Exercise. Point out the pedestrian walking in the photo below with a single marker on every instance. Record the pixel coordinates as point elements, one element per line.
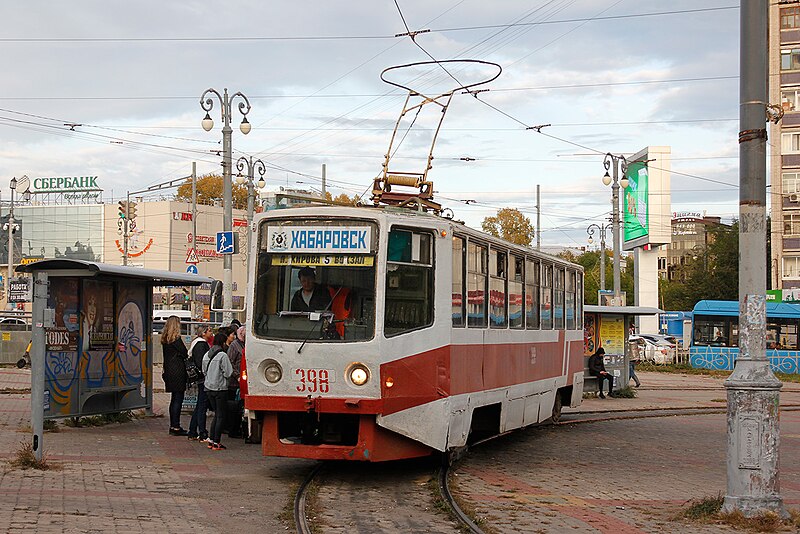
<point>632,370</point>
<point>597,368</point>
<point>235,351</point>
<point>174,375</point>
<point>200,345</point>
<point>217,369</point>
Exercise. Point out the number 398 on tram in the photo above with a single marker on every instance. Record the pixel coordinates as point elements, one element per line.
<point>379,334</point>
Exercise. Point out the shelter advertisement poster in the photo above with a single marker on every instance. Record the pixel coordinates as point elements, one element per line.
<point>591,333</point>
<point>97,315</point>
<point>62,364</point>
<point>612,334</point>
<point>635,202</point>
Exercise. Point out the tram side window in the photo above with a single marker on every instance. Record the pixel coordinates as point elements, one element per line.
<point>516,318</point>
<point>570,300</point>
<point>497,289</point>
<point>715,331</point>
<point>531,294</point>
<point>457,297</point>
<point>409,282</point>
<point>782,334</point>
<point>546,303</point>
<point>558,282</point>
<point>476,285</point>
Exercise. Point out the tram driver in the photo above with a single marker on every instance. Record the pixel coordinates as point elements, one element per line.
<point>311,296</point>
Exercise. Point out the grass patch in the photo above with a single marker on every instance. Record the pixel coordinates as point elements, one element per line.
<point>686,369</point>
<point>100,420</point>
<point>709,510</point>
<point>625,393</point>
<point>25,458</point>
<point>705,509</point>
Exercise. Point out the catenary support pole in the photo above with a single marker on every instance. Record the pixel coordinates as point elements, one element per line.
<point>753,390</point>
<point>37,361</point>
<point>538,218</point>
<point>194,230</point>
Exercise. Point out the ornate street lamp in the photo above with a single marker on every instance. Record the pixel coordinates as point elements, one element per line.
<point>619,163</point>
<point>601,229</point>
<point>252,167</point>
<point>225,101</point>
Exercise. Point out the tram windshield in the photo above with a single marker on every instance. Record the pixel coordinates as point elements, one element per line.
<point>315,281</point>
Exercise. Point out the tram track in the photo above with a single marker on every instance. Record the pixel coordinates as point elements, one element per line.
<point>355,511</point>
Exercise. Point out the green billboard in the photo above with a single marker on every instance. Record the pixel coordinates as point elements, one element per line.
<point>635,207</point>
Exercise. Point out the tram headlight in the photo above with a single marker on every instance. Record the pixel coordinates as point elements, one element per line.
<point>272,371</point>
<point>358,373</point>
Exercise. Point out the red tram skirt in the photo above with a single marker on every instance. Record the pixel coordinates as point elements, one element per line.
<point>375,444</point>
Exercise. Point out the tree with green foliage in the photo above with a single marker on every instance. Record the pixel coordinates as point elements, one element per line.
<point>590,261</point>
<point>209,190</point>
<point>710,273</point>
<point>510,224</point>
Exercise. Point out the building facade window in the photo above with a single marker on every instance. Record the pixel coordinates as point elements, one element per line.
<point>791,223</point>
<point>790,143</point>
<point>790,18</point>
<point>791,266</point>
<point>790,99</point>
<point>790,183</point>
<point>790,59</point>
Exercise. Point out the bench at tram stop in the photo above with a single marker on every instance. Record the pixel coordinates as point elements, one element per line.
<point>616,364</point>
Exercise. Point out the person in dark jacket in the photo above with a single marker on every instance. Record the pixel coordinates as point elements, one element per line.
<point>235,405</point>
<point>311,296</point>
<point>597,368</point>
<point>200,345</point>
<point>174,376</point>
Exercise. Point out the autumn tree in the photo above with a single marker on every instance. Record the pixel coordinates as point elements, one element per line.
<point>510,224</point>
<point>209,190</point>
<point>346,200</point>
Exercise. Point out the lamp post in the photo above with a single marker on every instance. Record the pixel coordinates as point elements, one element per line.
<point>252,167</point>
<point>601,229</point>
<point>620,164</point>
<point>11,227</point>
<point>225,102</point>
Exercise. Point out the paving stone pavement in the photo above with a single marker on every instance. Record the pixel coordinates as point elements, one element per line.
<point>610,477</point>
<point>618,476</point>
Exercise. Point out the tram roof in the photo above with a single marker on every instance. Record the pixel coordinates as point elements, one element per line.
<point>627,310</point>
<point>95,269</point>
<point>730,308</point>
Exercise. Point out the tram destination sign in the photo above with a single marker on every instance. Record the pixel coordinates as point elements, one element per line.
<point>319,239</point>
<point>317,260</point>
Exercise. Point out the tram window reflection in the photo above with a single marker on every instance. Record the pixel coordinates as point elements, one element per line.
<point>409,282</point>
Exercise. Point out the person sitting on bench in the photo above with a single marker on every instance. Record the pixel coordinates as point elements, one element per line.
<point>598,369</point>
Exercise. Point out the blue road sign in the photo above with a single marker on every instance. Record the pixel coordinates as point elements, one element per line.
<point>192,269</point>
<point>225,243</point>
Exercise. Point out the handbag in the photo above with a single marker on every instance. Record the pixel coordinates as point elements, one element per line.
<point>193,374</point>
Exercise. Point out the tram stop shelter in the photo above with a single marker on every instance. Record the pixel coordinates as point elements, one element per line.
<point>607,327</point>
<point>92,347</point>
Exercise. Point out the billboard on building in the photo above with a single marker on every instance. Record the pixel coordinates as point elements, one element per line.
<point>646,202</point>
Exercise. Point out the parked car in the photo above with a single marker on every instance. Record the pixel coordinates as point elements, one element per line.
<point>655,338</point>
<point>653,350</point>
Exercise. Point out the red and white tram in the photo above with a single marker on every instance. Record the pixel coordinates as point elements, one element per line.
<point>408,356</point>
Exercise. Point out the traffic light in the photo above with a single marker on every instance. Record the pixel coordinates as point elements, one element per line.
<point>216,295</point>
<point>186,294</point>
<point>123,209</point>
<point>174,298</point>
<point>131,210</point>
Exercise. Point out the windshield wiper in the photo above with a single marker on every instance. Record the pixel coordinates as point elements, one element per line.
<point>322,315</point>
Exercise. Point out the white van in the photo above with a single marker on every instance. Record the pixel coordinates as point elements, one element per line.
<point>163,315</point>
<point>160,318</point>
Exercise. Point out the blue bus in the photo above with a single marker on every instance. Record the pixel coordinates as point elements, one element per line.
<point>715,335</point>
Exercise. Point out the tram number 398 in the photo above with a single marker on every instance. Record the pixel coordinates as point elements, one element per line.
<point>312,380</point>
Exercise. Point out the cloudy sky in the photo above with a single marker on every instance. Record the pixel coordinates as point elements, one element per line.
<point>606,75</point>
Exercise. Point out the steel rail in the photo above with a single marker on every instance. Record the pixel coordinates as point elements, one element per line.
<point>300,518</point>
<point>444,491</point>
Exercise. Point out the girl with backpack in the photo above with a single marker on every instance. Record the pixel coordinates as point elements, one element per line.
<point>217,369</point>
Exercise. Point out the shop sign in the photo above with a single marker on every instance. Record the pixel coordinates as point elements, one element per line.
<point>64,184</point>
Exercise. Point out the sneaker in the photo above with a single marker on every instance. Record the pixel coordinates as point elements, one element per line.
<point>177,431</point>
<point>193,437</point>
<point>211,444</point>
<point>601,395</point>
<point>205,440</point>
<point>218,447</point>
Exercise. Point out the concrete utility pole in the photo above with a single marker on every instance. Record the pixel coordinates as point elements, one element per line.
<point>538,219</point>
<point>619,163</point>
<point>324,179</point>
<point>753,390</point>
<point>39,323</point>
